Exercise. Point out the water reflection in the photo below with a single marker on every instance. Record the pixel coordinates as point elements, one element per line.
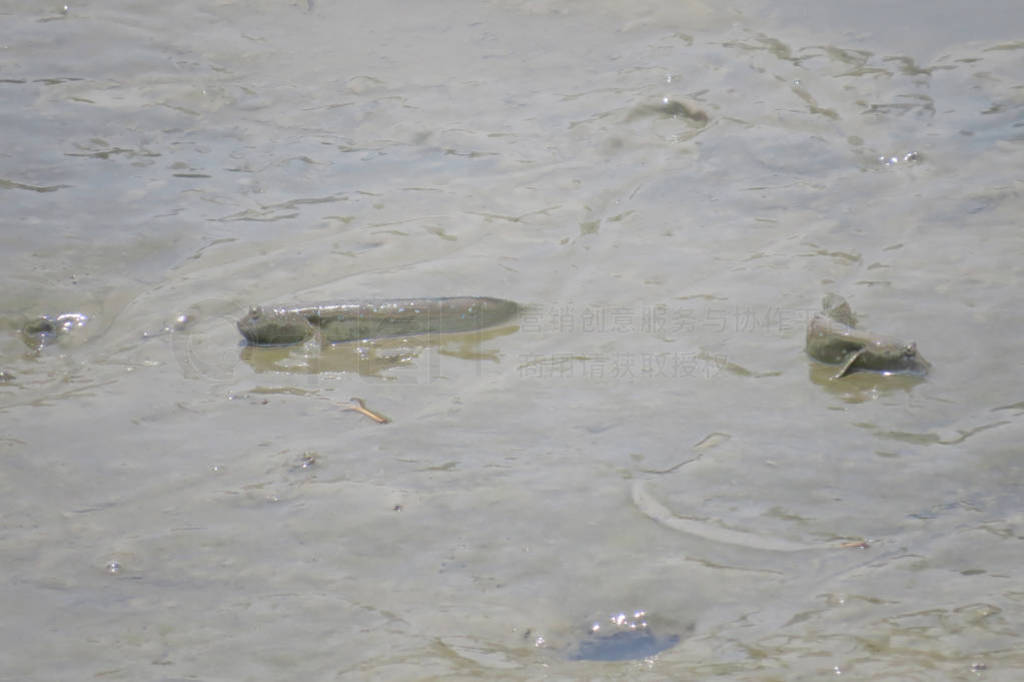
<point>613,636</point>
<point>373,357</point>
<point>623,637</point>
<point>48,329</point>
<point>861,387</point>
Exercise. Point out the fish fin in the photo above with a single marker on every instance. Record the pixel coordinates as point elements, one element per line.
<point>850,359</point>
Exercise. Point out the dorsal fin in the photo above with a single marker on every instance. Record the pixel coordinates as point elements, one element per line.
<point>836,307</point>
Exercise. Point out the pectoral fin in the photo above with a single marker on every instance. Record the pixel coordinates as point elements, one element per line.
<point>848,363</point>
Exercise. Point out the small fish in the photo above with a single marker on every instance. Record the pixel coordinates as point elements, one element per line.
<point>368,319</point>
<point>832,339</point>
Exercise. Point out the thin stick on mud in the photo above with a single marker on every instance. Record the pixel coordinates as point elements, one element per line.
<point>357,405</point>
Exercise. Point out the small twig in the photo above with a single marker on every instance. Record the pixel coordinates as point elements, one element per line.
<point>855,544</point>
<point>357,405</point>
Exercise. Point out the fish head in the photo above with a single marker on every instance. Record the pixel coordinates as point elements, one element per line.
<point>272,327</point>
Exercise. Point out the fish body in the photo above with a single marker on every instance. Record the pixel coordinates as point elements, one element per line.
<point>373,318</point>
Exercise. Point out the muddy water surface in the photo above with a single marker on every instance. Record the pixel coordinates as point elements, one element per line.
<point>669,187</point>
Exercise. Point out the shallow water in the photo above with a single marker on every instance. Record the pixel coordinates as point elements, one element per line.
<point>670,188</point>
